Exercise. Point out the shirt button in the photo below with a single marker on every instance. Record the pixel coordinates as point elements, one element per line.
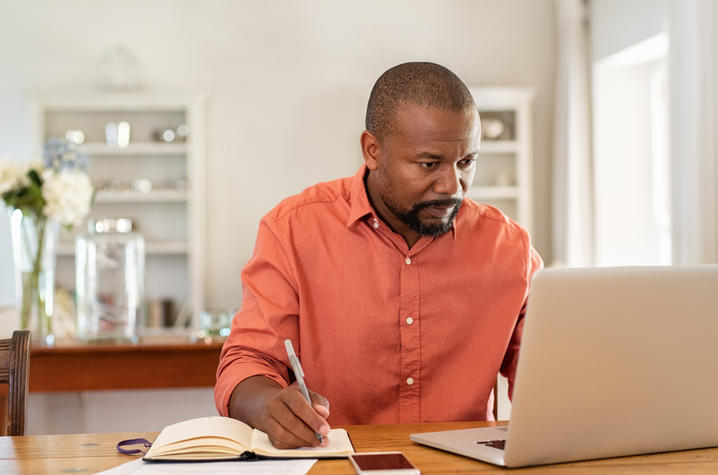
<point>375,224</point>
<point>408,261</point>
<point>409,320</point>
<point>409,381</point>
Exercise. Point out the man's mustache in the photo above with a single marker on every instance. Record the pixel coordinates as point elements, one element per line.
<point>438,203</point>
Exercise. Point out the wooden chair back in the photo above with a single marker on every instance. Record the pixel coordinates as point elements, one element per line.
<point>14,371</point>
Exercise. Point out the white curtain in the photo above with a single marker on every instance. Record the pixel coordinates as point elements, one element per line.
<point>573,209</point>
<point>693,77</point>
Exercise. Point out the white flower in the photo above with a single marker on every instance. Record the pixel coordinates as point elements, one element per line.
<point>36,165</point>
<point>68,195</point>
<point>13,175</point>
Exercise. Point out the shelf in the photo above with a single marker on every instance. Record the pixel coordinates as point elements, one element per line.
<point>158,196</point>
<point>168,363</point>
<point>171,215</point>
<point>166,248</point>
<point>493,192</point>
<point>99,149</point>
<point>499,146</point>
<point>506,160</point>
<point>156,248</point>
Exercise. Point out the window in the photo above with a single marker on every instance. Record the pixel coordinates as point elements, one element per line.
<point>631,156</point>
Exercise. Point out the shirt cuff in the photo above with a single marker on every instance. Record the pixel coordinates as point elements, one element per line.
<point>232,375</point>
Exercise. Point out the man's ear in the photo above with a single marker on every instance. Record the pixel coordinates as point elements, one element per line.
<point>370,149</point>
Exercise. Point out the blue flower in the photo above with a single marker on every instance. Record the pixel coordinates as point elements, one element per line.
<point>61,155</point>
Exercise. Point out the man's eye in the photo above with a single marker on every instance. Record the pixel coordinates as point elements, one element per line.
<point>466,162</point>
<point>429,164</point>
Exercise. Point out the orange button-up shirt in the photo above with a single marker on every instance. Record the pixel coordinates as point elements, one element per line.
<point>388,334</point>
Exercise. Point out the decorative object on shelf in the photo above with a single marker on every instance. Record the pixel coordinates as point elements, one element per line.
<point>111,134</point>
<point>492,128</point>
<point>110,281</point>
<point>40,197</point>
<point>123,134</point>
<point>169,316</point>
<point>164,135</point>
<point>171,135</point>
<point>143,185</point>
<point>119,70</point>
<point>153,313</point>
<point>182,132</point>
<point>117,134</point>
<point>76,136</point>
<point>216,322</point>
<point>64,317</point>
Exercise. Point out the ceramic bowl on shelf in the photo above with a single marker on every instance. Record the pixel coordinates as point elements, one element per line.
<point>492,128</point>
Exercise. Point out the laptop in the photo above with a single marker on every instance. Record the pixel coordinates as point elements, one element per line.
<point>613,362</point>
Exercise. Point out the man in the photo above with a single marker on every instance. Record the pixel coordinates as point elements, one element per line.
<point>403,298</point>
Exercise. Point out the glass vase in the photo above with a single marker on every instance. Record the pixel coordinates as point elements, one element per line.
<point>34,245</point>
<point>110,281</point>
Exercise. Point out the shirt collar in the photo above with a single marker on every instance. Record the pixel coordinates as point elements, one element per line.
<point>359,201</point>
<point>456,218</point>
<point>361,207</point>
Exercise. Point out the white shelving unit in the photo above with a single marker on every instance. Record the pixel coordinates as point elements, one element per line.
<point>160,248</point>
<point>494,192</point>
<point>503,176</point>
<point>146,148</point>
<point>169,214</point>
<point>503,170</point>
<point>127,196</point>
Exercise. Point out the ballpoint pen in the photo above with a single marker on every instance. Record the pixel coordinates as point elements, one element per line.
<point>299,374</point>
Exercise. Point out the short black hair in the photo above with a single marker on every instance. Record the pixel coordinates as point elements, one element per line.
<point>419,83</point>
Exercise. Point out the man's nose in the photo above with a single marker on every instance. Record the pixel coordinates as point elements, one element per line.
<point>448,181</point>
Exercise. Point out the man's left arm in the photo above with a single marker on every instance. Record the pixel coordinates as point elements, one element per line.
<point>511,357</point>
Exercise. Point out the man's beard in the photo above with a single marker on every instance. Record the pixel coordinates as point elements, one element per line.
<point>411,217</point>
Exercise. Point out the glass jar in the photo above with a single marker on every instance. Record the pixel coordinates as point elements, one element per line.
<point>110,281</point>
<point>216,322</point>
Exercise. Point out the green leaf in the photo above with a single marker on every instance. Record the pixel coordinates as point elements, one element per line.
<point>10,198</point>
<point>29,198</point>
<point>34,177</point>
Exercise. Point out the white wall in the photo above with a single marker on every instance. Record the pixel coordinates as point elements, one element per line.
<point>287,84</point>
<point>286,81</point>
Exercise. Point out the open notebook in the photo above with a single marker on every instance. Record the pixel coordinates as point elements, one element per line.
<point>223,438</point>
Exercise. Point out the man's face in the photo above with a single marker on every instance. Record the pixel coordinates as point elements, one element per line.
<point>420,173</point>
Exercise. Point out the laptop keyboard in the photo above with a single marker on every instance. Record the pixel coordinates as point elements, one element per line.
<point>497,444</point>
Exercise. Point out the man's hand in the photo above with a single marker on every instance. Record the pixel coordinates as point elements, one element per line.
<point>283,413</point>
<point>291,422</point>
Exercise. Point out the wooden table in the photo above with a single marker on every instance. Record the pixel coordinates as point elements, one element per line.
<point>88,453</point>
<point>168,363</point>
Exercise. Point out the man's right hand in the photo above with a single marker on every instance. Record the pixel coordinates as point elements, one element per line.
<point>283,413</point>
<point>291,422</point>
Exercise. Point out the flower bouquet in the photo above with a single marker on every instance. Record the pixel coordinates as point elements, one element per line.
<point>40,197</point>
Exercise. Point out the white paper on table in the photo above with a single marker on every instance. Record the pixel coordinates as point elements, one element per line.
<point>259,467</point>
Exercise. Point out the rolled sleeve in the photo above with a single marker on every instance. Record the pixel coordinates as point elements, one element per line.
<point>510,361</point>
<point>237,364</point>
<point>267,317</point>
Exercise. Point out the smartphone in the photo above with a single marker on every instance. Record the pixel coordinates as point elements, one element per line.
<point>382,463</point>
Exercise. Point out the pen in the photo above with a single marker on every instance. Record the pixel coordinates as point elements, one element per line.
<point>299,374</point>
